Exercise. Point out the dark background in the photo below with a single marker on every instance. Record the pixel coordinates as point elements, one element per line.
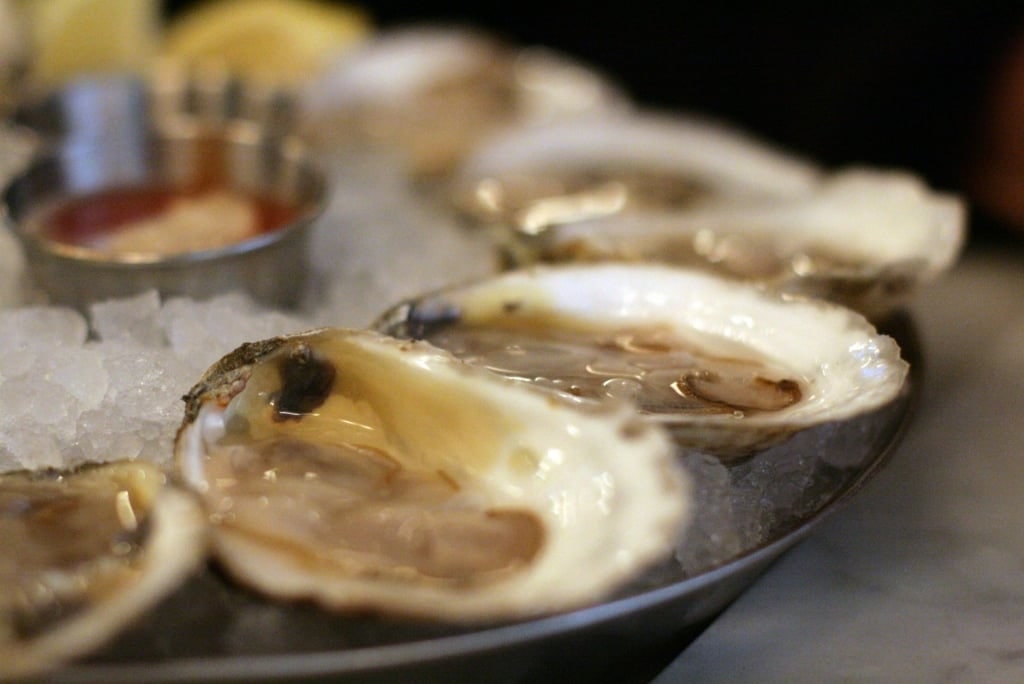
<point>842,82</point>
<point>898,84</point>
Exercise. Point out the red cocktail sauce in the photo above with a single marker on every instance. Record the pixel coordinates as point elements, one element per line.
<point>80,220</point>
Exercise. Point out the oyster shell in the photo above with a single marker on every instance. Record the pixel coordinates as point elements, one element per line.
<point>866,239</point>
<point>685,192</point>
<point>531,179</point>
<point>366,472</point>
<point>729,369</point>
<point>436,91</point>
<point>85,553</point>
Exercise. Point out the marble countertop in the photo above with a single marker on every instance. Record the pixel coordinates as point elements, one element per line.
<point>921,577</point>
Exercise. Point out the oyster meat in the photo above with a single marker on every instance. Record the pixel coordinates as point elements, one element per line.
<point>435,91</point>
<point>370,473</point>
<point>728,368</point>
<point>85,553</point>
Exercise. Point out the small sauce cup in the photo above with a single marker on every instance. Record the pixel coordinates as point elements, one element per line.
<point>78,176</point>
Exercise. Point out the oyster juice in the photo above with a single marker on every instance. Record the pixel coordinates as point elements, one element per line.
<point>725,366</point>
<point>647,365</point>
<point>535,201</point>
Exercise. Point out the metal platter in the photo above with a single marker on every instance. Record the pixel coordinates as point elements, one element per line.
<point>210,630</point>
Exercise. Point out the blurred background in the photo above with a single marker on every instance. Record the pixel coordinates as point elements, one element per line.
<point>936,87</point>
<point>927,86</point>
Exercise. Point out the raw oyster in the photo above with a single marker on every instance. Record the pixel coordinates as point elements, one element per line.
<point>531,179</point>
<point>867,239</point>
<point>366,472</point>
<point>435,91</point>
<point>728,368</point>
<point>86,552</point>
<point>684,191</point>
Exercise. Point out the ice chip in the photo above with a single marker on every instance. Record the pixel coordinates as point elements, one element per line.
<point>129,319</point>
<point>29,450</point>
<point>80,372</point>
<point>41,327</point>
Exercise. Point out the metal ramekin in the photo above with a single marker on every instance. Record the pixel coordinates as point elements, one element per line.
<point>271,267</point>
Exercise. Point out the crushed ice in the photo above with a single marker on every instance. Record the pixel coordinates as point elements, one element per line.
<point>76,388</point>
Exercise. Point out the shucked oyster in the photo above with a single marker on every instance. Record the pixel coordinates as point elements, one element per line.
<point>436,91</point>
<point>366,472</point>
<point>681,191</point>
<point>863,238</point>
<point>729,369</point>
<point>84,553</point>
<point>531,179</point>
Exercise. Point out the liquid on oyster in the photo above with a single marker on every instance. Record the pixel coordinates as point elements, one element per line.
<point>70,541</point>
<point>358,509</point>
<point>534,202</point>
<point>341,496</point>
<point>733,254</point>
<point>650,366</point>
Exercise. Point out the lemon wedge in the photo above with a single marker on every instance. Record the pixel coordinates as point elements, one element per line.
<point>280,41</point>
<point>74,37</point>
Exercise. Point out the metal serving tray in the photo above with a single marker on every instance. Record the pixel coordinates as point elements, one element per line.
<point>211,630</point>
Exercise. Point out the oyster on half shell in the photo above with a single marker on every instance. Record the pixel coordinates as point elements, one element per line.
<point>683,191</point>
<point>370,473</point>
<point>863,238</point>
<point>435,91</point>
<point>729,369</point>
<point>85,552</point>
<point>531,179</point>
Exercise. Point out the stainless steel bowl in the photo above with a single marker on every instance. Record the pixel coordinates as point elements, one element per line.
<point>271,267</point>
